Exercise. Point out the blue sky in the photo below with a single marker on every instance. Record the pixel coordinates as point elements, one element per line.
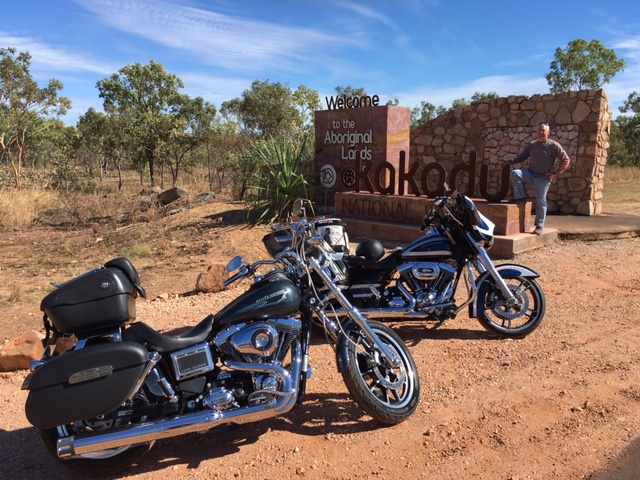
<point>412,50</point>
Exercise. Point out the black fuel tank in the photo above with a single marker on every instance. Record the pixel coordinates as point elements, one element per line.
<point>273,296</point>
<point>432,246</point>
<point>85,383</point>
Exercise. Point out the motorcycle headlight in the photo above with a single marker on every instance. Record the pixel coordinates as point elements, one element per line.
<point>482,240</point>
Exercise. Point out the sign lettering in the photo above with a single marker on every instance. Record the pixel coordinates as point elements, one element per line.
<point>370,176</point>
<point>340,102</point>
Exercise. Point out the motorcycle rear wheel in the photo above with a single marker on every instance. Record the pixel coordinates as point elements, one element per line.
<point>104,462</point>
<point>508,321</point>
<point>390,396</point>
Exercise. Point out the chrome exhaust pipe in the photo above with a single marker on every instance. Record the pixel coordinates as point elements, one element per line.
<point>386,312</point>
<point>194,422</point>
<point>399,312</point>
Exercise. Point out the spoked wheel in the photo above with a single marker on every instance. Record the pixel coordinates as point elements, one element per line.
<point>389,395</point>
<point>511,320</point>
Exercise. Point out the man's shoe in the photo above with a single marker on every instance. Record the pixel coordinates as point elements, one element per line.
<point>537,231</point>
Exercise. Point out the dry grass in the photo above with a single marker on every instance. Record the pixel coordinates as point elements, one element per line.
<point>107,205</point>
<point>621,188</point>
<point>621,174</point>
<point>21,208</point>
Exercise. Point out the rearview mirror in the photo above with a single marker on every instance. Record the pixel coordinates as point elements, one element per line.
<point>234,264</point>
<point>298,207</point>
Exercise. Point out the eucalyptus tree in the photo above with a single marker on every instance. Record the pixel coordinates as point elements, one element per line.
<point>265,110</point>
<point>221,150</point>
<point>105,141</point>
<point>350,91</point>
<point>307,101</point>
<point>483,97</point>
<point>582,66</point>
<point>25,108</point>
<point>189,120</point>
<point>628,126</point>
<point>428,111</point>
<point>142,96</point>
<point>93,137</point>
<point>425,112</point>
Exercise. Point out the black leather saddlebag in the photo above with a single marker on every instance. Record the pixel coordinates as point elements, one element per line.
<point>98,299</point>
<point>83,384</point>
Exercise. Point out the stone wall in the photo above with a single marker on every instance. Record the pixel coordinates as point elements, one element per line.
<point>501,128</point>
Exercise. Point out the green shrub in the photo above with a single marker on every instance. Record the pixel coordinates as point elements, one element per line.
<point>286,174</point>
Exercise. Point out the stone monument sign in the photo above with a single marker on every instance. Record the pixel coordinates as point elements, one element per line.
<point>358,148</point>
<point>365,148</point>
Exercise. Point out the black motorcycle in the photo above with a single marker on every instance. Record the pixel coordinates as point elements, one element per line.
<point>101,406</point>
<point>421,280</point>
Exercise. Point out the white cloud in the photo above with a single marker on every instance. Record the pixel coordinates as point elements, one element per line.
<point>50,59</point>
<point>218,39</point>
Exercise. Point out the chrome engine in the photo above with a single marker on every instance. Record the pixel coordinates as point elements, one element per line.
<point>258,342</point>
<point>421,289</point>
<point>260,347</point>
<point>430,281</point>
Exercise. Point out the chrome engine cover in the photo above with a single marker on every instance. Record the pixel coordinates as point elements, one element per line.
<point>258,341</point>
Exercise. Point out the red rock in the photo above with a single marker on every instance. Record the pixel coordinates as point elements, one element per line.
<point>212,280</point>
<point>20,351</point>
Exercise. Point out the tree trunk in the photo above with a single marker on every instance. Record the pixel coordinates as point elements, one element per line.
<point>152,173</point>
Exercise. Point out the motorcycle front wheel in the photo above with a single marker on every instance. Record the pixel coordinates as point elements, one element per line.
<point>511,320</point>
<point>389,395</point>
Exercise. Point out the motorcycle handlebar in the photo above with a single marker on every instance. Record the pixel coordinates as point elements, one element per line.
<point>247,270</point>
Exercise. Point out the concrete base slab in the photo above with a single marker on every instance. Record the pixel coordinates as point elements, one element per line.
<point>507,246</point>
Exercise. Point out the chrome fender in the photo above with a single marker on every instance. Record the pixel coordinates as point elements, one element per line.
<point>507,270</point>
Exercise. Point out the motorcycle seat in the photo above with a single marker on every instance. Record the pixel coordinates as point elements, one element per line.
<point>142,333</point>
<point>368,264</point>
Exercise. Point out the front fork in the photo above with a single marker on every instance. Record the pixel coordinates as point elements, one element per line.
<point>391,360</point>
<point>484,264</point>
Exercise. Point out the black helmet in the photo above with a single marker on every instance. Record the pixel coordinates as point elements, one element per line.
<point>370,249</point>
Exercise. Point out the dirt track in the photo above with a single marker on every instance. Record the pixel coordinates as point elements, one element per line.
<point>564,403</point>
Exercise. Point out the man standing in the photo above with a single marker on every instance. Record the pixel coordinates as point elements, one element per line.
<point>543,153</point>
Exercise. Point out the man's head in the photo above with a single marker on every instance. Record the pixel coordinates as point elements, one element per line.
<point>543,132</point>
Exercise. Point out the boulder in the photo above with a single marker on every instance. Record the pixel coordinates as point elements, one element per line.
<point>212,280</point>
<point>20,351</point>
<point>171,195</point>
<point>205,197</point>
<point>63,344</point>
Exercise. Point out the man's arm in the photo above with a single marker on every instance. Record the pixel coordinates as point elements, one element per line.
<point>520,158</point>
<point>563,166</point>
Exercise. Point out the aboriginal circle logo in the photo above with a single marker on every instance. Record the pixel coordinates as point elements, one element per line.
<point>328,176</point>
<point>349,177</point>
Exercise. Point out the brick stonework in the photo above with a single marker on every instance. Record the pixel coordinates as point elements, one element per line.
<point>501,128</point>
